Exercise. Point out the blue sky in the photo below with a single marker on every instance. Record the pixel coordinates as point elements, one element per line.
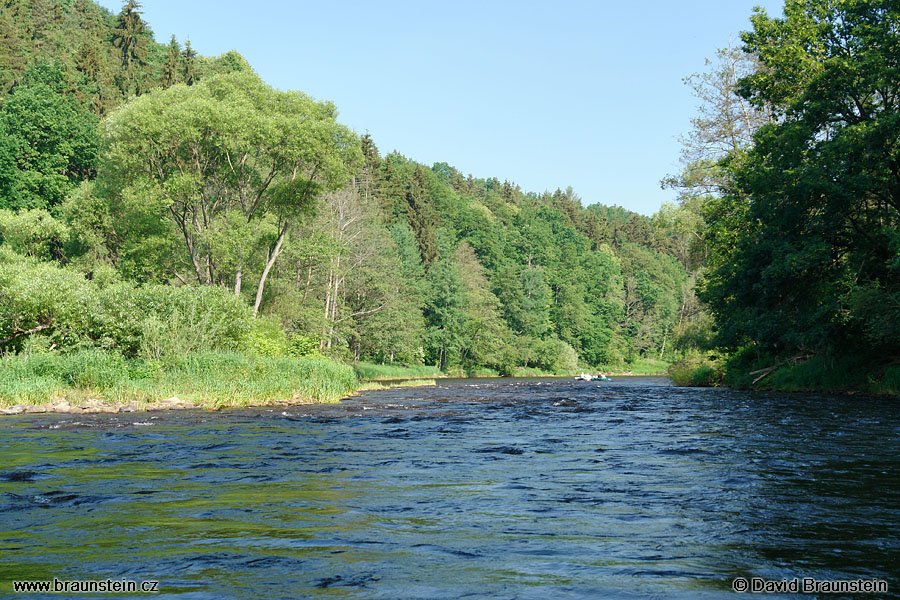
<point>547,95</point>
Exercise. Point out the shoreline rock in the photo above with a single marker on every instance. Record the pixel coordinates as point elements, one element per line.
<point>98,406</point>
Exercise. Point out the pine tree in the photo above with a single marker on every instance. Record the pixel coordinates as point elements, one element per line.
<point>187,63</point>
<point>370,167</point>
<point>421,216</point>
<point>130,37</point>
<point>172,65</point>
<point>13,53</point>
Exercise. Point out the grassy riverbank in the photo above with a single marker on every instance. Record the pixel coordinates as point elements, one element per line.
<point>95,379</point>
<point>366,386</point>
<point>746,370</point>
<point>375,372</point>
<point>98,380</point>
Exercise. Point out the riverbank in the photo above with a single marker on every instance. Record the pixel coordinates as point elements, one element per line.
<point>795,374</point>
<point>101,381</point>
<point>98,381</point>
<point>376,372</point>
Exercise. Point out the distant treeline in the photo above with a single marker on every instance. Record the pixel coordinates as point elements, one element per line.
<point>130,161</point>
<point>137,166</point>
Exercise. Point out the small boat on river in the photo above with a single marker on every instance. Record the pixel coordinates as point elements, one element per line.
<point>588,377</point>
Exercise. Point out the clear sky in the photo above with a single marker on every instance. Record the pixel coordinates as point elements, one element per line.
<point>544,94</point>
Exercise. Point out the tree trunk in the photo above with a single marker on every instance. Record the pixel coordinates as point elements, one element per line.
<point>334,299</point>
<point>308,280</point>
<point>265,274</point>
<point>327,309</point>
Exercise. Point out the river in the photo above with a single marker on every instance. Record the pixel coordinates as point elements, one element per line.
<point>471,489</point>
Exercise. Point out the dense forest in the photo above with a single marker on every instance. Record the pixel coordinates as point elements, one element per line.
<point>794,164</point>
<point>157,204</point>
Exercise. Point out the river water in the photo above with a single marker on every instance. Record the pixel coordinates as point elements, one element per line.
<point>541,489</point>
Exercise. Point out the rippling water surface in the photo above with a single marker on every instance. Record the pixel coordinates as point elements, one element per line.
<point>477,489</point>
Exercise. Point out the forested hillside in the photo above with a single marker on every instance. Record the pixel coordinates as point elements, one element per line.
<point>128,165</point>
<point>157,204</point>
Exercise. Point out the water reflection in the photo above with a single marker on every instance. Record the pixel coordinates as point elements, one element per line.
<point>527,489</point>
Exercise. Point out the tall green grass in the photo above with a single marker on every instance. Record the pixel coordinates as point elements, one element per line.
<point>208,379</point>
<point>366,386</point>
<point>372,371</point>
<point>640,366</point>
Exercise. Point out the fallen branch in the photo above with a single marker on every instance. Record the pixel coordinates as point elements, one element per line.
<point>362,312</point>
<point>765,372</point>
<point>22,332</point>
<point>769,369</point>
<point>794,360</point>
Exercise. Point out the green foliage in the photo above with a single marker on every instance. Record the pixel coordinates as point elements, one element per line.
<point>351,255</point>
<point>33,233</point>
<point>748,368</point>
<point>175,321</point>
<point>266,337</point>
<point>268,156</point>
<point>131,37</point>
<point>553,355</point>
<point>49,140</point>
<point>125,228</point>
<point>386,385</point>
<point>207,379</point>
<point>373,371</point>
<point>42,299</point>
<point>88,369</point>
<point>890,381</point>
<point>696,372</point>
<point>820,373</point>
<point>654,288</point>
<point>638,366</point>
<point>236,379</point>
<point>302,346</point>
<point>803,244</point>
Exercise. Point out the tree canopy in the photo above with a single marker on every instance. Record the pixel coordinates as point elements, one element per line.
<point>804,243</point>
<point>235,162</point>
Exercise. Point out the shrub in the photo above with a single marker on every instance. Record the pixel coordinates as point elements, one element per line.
<point>152,321</point>
<point>180,320</point>
<point>890,382</point>
<point>554,355</point>
<point>265,337</point>
<point>42,298</point>
<point>696,371</point>
<point>302,346</point>
<point>705,376</point>
<point>33,233</point>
